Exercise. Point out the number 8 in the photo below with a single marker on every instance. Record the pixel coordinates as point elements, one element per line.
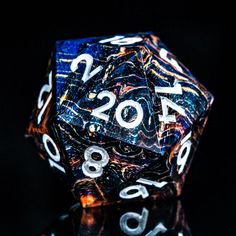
<point>97,165</point>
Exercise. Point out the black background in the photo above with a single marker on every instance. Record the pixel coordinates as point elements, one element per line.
<point>200,35</point>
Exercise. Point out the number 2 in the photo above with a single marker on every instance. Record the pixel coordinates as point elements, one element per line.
<point>98,111</point>
<point>88,74</point>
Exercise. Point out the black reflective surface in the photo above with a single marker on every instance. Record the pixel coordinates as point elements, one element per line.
<point>32,197</point>
<point>166,218</point>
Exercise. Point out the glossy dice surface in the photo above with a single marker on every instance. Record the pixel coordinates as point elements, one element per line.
<point>119,117</point>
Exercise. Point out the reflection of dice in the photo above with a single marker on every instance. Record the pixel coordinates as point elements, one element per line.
<point>164,218</point>
<point>120,117</point>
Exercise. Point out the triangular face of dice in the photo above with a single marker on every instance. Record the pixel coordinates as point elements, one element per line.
<point>69,85</point>
<point>92,57</point>
<point>116,102</point>
<point>175,90</point>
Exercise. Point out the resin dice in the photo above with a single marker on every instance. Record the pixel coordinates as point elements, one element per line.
<point>119,117</point>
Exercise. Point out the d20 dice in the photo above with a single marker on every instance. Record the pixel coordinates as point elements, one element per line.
<point>120,118</point>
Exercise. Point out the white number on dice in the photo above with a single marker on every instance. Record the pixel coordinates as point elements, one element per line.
<point>54,157</point>
<point>88,74</point>
<point>98,111</point>
<point>140,189</point>
<point>163,54</point>
<point>138,119</point>
<point>177,89</point>
<point>42,105</point>
<point>118,114</point>
<point>166,103</point>
<point>165,117</point>
<point>151,182</point>
<point>91,167</point>
<point>185,148</point>
<point>122,40</point>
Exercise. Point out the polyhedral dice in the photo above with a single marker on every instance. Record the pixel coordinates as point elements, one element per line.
<point>119,117</point>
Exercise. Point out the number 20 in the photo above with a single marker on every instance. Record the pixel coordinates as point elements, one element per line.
<point>98,112</point>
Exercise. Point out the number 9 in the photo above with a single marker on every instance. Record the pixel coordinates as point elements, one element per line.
<point>186,146</point>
